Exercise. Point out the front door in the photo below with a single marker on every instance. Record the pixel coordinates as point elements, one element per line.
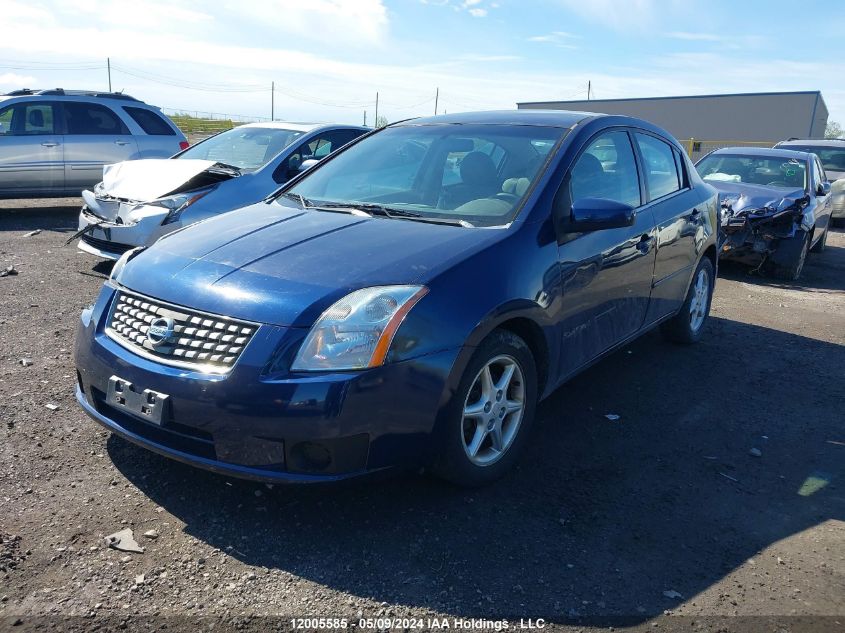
<point>606,275</point>
<point>31,152</point>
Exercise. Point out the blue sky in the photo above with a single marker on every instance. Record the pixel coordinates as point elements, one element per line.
<point>329,57</point>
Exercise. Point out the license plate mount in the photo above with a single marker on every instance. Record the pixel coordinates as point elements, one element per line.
<point>146,404</point>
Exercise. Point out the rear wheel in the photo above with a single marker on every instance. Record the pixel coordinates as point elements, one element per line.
<point>688,324</point>
<point>486,424</point>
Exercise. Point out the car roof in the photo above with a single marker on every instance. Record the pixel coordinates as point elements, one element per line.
<point>299,127</point>
<point>771,152</point>
<point>820,142</point>
<point>547,118</point>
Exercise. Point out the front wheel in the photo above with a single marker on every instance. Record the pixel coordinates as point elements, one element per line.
<point>688,324</point>
<point>484,428</point>
<point>791,270</point>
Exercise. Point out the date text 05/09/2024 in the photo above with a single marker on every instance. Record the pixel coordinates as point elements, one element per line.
<point>406,623</point>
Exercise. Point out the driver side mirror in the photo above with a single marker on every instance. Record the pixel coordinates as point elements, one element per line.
<point>823,189</point>
<point>307,164</point>
<point>597,214</point>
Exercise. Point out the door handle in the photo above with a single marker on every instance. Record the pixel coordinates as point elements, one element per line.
<point>121,142</point>
<point>49,144</point>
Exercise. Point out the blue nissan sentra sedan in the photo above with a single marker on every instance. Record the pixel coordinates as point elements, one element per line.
<point>405,303</point>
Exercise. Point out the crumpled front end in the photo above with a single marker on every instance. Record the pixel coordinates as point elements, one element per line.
<point>131,207</point>
<point>751,230</point>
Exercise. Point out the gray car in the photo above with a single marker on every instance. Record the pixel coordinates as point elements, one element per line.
<point>139,201</point>
<point>831,152</point>
<point>55,143</point>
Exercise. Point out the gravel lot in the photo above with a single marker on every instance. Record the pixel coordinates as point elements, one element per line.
<point>661,520</point>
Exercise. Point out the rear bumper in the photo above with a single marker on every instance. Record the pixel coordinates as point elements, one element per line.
<point>249,423</point>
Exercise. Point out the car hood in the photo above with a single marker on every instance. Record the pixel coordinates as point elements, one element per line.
<point>271,263</point>
<point>745,197</point>
<point>152,178</point>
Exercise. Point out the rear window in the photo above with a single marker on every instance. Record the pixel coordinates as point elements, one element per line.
<point>150,122</point>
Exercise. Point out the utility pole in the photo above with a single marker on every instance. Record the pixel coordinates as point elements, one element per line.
<point>375,121</point>
<point>108,66</point>
<point>589,89</point>
<point>436,99</point>
<point>365,118</point>
<point>272,100</point>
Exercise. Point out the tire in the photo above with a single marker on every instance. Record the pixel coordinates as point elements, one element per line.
<point>687,326</point>
<point>821,244</point>
<point>792,271</point>
<point>497,438</point>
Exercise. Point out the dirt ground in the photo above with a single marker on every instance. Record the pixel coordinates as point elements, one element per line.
<point>662,520</point>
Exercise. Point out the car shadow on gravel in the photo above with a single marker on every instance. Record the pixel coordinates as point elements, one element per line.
<point>601,518</point>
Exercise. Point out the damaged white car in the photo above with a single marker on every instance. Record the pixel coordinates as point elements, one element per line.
<point>775,206</point>
<point>139,201</point>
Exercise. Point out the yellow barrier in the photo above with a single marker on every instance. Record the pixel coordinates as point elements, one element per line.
<point>696,148</point>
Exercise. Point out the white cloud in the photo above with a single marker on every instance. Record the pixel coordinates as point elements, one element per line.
<point>620,14</point>
<point>561,39</point>
<point>321,22</point>
<point>695,37</point>
<point>18,81</point>
<point>478,13</point>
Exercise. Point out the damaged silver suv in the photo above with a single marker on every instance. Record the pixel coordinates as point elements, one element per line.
<point>775,206</point>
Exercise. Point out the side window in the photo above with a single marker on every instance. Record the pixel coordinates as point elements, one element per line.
<point>90,118</point>
<point>6,121</point>
<point>682,172</point>
<point>27,119</point>
<point>606,169</point>
<point>818,174</point>
<point>661,168</point>
<point>149,121</point>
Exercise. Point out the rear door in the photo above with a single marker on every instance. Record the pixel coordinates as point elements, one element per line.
<point>606,275</point>
<point>31,151</point>
<point>679,218</point>
<point>94,136</point>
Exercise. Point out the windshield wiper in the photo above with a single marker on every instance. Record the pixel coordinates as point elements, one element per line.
<point>304,202</point>
<point>234,168</point>
<point>392,212</point>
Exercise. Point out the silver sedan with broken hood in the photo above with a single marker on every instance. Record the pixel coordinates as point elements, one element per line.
<point>775,206</point>
<point>139,201</point>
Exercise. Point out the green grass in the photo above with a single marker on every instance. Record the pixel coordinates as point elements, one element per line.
<point>197,125</point>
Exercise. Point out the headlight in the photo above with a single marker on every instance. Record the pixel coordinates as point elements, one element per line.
<point>178,203</point>
<point>356,331</point>
<point>98,189</point>
<point>114,275</point>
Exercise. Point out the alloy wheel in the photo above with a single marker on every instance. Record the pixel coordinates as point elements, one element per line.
<point>700,296</point>
<point>493,410</point>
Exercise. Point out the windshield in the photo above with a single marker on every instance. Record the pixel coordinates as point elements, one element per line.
<point>476,174</point>
<point>833,158</point>
<point>247,148</point>
<point>756,170</point>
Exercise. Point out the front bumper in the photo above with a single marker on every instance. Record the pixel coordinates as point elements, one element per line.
<point>257,424</point>
<point>837,204</point>
<point>110,240</point>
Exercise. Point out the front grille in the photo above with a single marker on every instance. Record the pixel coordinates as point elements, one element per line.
<point>104,245</point>
<point>197,339</point>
